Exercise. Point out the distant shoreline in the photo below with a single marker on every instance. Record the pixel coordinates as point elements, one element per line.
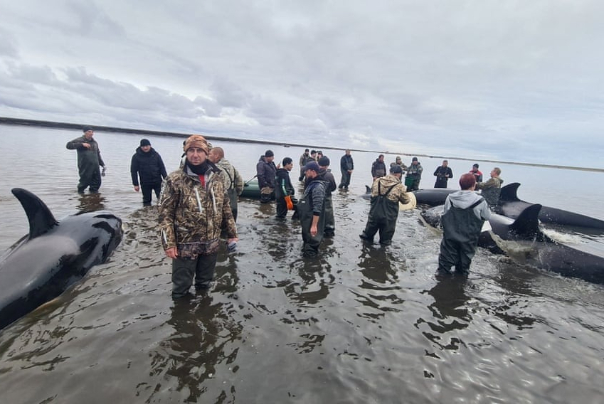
<point>78,126</point>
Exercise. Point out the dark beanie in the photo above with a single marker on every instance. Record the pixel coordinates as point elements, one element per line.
<point>324,161</point>
<point>414,159</point>
<point>145,142</point>
<point>269,153</point>
<point>312,166</point>
<point>86,129</point>
<point>396,169</point>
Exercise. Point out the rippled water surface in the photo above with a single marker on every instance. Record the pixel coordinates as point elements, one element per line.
<point>359,324</point>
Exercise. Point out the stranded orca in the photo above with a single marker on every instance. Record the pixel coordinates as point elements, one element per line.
<point>511,206</point>
<point>53,256</point>
<point>523,240</point>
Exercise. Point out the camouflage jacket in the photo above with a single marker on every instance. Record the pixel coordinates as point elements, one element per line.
<point>231,177</point>
<point>397,194</point>
<point>191,215</point>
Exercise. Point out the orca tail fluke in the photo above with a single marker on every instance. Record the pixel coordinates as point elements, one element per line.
<point>527,223</point>
<point>39,216</point>
<point>509,193</point>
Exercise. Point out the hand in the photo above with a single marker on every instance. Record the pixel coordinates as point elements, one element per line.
<point>313,230</point>
<point>86,145</point>
<point>103,172</point>
<point>172,252</point>
<point>136,188</point>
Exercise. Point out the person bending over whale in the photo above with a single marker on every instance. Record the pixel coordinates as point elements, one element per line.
<point>464,214</point>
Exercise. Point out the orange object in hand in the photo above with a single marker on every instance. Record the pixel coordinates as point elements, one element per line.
<point>288,202</point>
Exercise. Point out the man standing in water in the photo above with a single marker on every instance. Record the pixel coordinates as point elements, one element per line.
<point>233,182</point>
<point>414,175</point>
<point>462,220</point>
<point>89,160</point>
<point>284,188</point>
<point>193,209</point>
<point>442,174</point>
<point>266,171</point>
<point>330,185</point>
<point>386,193</point>
<point>311,209</point>
<point>346,166</point>
<point>148,165</point>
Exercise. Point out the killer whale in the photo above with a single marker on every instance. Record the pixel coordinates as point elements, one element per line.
<point>54,255</point>
<point>511,206</point>
<point>524,241</point>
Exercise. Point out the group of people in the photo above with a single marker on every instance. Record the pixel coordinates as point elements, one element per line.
<point>198,202</point>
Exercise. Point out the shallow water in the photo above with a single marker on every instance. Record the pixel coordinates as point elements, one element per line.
<point>358,324</point>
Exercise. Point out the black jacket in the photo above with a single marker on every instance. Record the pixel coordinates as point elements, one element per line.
<point>346,163</point>
<point>148,166</point>
<point>266,173</point>
<point>283,181</point>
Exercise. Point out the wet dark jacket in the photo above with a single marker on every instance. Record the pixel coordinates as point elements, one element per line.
<point>283,183</point>
<point>440,174</point>
<point>346,163</point>
<point>378,169</point>
<point>266,173</point>
<point>148,166</point>
<point>90,159</point>
<point>330,182</point>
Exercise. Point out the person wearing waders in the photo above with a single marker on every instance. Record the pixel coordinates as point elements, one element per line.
<point>464,214</point>
<point>386,193</point>
<point>311,210</point>
<point>193,209</point>
<point>89,160</point>
<point>284,188</point>
<point>330,185</point>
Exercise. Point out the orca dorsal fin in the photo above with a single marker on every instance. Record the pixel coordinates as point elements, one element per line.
<point>509,193</point>
<point>40,218</point>
<point>527,222</point>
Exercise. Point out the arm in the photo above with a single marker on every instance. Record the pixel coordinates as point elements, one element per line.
<point>238,182</point>
<point>98,151</point>
<point>436,171</point>
<point>260,174</point>
<point>76,144</point>
<point>162,168</point>
<point>134,170</point>
<point>450,172</point>
<point>228,221</point>
<point>403,197</point>
<point>166,214</point>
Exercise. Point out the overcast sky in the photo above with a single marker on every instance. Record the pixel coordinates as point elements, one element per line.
<point>495,79</point>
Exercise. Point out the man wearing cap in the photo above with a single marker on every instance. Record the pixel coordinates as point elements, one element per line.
<point>193,209</point>
<point>233,182</point>
<point>414,175</point>
<point>89,160</point>
<point>266,171</point>
<point>147,164</point>
<point>386,193</point>
<point>399,162</point>
<point>346,167</point>
<point>311,210</point>
<point>330,185</point>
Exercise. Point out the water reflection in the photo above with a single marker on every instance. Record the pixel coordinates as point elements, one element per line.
<point>315,282</point>
<point>90,202</point>
<point>197,349</point>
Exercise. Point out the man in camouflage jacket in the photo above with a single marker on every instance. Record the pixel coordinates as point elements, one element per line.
<point>193,209</point>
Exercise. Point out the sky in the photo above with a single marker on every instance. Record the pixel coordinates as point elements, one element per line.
<point>486,79</point>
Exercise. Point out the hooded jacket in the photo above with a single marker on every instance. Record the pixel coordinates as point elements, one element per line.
<point>230,176</point>
<point>148,166</point>
<point>266,173</point>
<point>284,183</point>
<point>190,212</point>
<point>465,199</point>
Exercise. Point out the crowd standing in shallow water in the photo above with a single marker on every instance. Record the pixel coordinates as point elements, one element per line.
<point>198,202</point>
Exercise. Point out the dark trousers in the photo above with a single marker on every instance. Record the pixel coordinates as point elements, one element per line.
<point>455,254</point>
<point>384,226</point>
<point>345,180</point>
<point>330,222</point>
<point>147,190</point>
<point>90,178</point>
<point>185,269</point>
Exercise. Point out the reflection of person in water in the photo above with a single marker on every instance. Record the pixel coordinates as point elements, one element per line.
<point>449,307</point>
<point>91,202</point>
<point>197,348</point>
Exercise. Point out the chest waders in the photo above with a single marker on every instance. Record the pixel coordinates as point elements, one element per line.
<point>382,217</point>
<point>232,194</point>
<point>310,247</point>
<point>461,230</point>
